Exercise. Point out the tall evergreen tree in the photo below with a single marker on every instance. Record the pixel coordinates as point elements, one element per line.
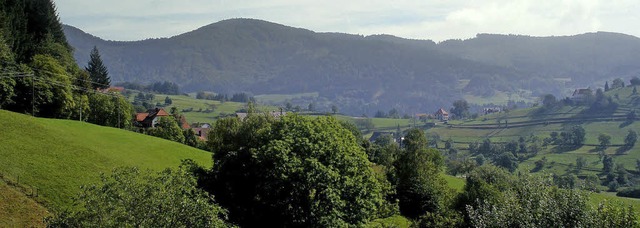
<point>97,71</point>
<point>606,86</point>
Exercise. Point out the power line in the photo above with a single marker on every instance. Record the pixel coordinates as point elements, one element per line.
<point>79,79</point>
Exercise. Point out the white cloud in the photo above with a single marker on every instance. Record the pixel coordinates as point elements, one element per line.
<point>420,19</point>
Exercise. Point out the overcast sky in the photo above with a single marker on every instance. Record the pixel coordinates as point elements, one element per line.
<point>420,19</point>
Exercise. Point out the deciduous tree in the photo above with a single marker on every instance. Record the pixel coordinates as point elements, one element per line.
<point>291,171</point>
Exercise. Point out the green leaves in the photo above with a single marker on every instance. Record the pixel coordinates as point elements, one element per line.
<point>292,171</point>
<point>130,197</point>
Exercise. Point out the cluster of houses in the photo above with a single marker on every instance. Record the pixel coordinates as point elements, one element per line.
<point>151,117</point>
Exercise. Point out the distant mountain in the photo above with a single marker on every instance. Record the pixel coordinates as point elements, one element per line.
<point>363,74</point>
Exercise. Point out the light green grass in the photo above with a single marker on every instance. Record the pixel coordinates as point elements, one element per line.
<point>455,182</point>
<point>58,156</point>
<point>396,221</point>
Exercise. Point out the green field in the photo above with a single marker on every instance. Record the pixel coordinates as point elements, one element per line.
<point>199,107</point>
<point>509,126</point>
<point>55,157</point>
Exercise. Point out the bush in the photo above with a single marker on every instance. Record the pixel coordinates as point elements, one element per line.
<point>630,192</point>
<point>130,197</point>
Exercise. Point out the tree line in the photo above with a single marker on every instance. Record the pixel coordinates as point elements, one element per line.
<point>39,75</point>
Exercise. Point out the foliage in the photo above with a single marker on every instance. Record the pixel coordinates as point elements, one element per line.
<point>109,110</point>
<point>630,192</point>
<point>605,141</point>
<point>549,101</point>
<point>532,201</point>
<point>137,198</point>
<point>617,83</point>
<point>460,109</point>
<point>98,72</point>
<point>420,187</point>
<point>164,87</point>
<point>631,138</point>
<point>293,171</point>
<point>7,68</point>
<point>634,81</point>
<point>168,128</point>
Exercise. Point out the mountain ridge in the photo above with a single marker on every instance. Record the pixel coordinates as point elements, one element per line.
<point>362,74</point>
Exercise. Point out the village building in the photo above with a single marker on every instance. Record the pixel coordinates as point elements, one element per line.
<point>441,115</point>
<point>150,118</point>
<point>487,111</point>
<point>581,95</point>
<point>201,130</point>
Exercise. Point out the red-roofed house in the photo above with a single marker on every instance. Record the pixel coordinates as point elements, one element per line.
<point>149,118</point>
<point>441,115</point>
<point>183,123</point>
<point>201,130</point>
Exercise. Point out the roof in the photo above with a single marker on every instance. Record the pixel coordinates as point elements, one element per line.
<point>201,125</point>
<point>157,112</point>
<point>442,112</point>
<point>581,92</point>
<point>183,123</point>
<point>141,116</point>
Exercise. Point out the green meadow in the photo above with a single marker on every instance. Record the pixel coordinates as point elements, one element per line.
<point>55,157</point>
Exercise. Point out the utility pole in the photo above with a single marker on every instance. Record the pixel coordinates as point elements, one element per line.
<point>117,100</point>
<point>33,100</point>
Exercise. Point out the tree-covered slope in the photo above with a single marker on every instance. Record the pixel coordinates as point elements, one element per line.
<point>58,156</point>
<point>363,74</point>
<point>360,74</point>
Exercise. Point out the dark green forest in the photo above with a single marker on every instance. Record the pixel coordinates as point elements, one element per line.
<point>363,74</point>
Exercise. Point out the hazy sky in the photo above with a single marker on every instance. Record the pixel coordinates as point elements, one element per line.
<point>420,19</point>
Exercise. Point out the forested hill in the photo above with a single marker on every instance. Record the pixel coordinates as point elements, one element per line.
<point>363,74</point>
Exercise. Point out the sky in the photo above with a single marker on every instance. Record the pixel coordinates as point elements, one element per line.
<point>438,20</point>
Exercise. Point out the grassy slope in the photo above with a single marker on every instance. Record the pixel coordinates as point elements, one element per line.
<point>58,156</point>
<point>18,210</point>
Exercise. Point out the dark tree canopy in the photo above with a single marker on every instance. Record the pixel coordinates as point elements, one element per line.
<point>460,109</point>
<point>291,171</point>
<point>97,70</point>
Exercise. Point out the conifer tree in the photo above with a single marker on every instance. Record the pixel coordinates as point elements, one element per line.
<point>606,86</point>
<point>97,71</point>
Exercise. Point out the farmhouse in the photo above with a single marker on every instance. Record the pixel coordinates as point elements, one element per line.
<point>150,118</point>
<point>580,95</point>
<point>201,130</point>
<point>441,115</point>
